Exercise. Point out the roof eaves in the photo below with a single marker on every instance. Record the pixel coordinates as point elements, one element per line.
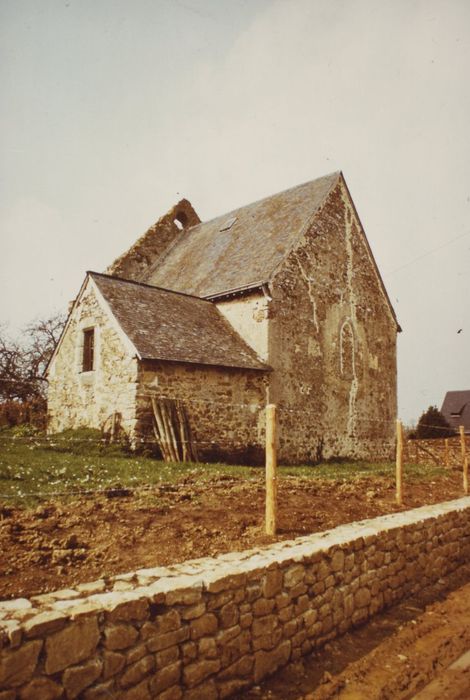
<point>235,291</point>
<point>253,363</point>
<point>261,368</point>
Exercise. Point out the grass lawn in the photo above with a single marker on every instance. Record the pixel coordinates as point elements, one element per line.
<point>33,468</point>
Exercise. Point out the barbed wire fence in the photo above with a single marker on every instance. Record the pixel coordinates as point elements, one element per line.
<point>258,434</point>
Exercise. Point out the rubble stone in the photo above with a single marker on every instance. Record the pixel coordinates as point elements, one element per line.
<point>40,689</point>
<point>71,645</point>
<point>231,637</point>
<point>77,678</point>
<point>17,666</point>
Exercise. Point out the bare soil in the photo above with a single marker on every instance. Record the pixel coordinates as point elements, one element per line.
<point>59,544</point>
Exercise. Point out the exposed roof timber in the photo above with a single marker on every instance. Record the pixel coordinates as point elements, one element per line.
<point>237,291</point>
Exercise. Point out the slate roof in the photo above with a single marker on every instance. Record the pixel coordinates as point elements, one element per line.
<point>167,325</point>
<point>206,261</point>
<point>456,409</point>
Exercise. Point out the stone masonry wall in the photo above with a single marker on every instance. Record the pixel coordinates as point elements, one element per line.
<point>137,262</point>
<point>77,398</point>
<point>207,628</point>
<point>332,344</point>
<point>249,315</point>
<point>225,407</point>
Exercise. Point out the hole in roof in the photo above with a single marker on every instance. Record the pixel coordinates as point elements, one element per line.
<point>228,224</point>
<point>181,220</point>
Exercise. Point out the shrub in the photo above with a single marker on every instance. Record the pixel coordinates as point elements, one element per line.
<point>32,412</point>
<point>432,424</point>
<point>20,431</point>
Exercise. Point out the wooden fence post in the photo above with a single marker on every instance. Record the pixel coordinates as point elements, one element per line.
<point>447,456</point>
<point>464,459</point>
<point>271,470</point>
<point>399,465</point>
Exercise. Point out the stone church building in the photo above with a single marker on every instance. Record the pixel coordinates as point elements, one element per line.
<point>276,302</point>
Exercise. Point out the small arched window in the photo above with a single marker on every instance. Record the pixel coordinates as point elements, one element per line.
<point>346,351</point>
<point>181,220</point>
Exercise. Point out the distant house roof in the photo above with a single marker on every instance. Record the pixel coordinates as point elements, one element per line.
<point>242,248</point>
<point>456,409</point>
<point>167,325</point>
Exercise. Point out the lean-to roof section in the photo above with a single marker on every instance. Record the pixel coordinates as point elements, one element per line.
<point>167,325</point>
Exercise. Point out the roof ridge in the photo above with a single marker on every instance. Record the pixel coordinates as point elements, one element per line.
<point>307,224</point>
<point>269,196</point>
<point>145,284</point>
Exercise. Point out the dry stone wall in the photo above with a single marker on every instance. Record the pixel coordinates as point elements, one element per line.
<point>207,628</point>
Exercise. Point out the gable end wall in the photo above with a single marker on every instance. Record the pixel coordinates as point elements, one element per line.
<point>89,399</point>
<point>332,344</point>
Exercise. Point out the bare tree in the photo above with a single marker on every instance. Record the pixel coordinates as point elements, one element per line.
<point>14,382</point>
<point>23,361</point>
<point>43,336</point>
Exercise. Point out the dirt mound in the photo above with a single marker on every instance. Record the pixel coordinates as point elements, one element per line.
<point>60,544</point>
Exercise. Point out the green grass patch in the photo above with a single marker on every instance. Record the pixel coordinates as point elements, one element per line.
<point>33,468</point>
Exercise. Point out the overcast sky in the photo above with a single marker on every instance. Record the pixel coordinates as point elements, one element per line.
<point>113,110</point>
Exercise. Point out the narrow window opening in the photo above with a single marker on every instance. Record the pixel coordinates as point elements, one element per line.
<point>181,220</point>
<point>88,349</point>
